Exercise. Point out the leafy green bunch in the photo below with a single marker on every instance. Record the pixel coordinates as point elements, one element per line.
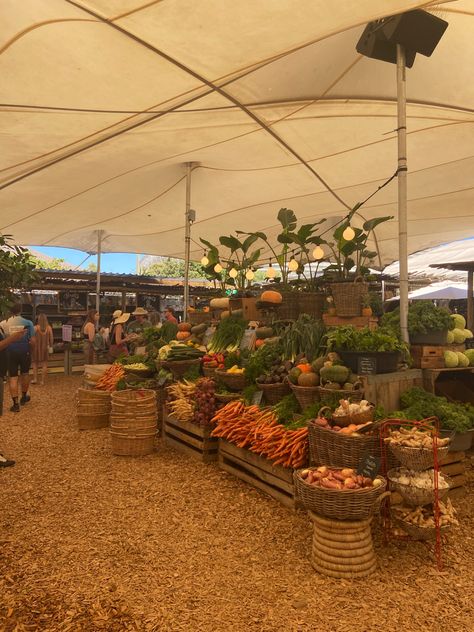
<point>261,361</point>
<point>423,318</point>
<point>307,336</point>
<point>419,404</point>
<point>348,338</point>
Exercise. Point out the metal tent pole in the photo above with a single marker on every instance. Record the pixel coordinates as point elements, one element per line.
<point>97,287</point>
<point>189,218</point>
<point>402,190</point>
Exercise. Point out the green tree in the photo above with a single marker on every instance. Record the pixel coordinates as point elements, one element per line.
<point>16,271</point>
<point>92,267</point>
<point>51,264</point>
<point>174,269</point>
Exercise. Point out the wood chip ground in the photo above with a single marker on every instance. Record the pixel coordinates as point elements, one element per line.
<point>89,541</point>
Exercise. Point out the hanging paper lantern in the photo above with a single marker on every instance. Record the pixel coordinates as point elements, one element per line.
<point>233,273</point>
<point>349,233</point>
<point>318,253</point>
<point>249,275</point>
<point>218,268</point>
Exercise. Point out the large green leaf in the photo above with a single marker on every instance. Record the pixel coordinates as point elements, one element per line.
<point>370,224</point>
<point>349,263</point>
<point>370,254</point>
<point>230,242</point>
<point>206,243</point>
<point>287,219</point>
<point>258,234</point>
<point>251,239</point>
<point>285,238</point>
<point>251,259</point>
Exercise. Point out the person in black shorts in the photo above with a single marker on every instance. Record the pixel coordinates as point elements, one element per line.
<point>19,356</point>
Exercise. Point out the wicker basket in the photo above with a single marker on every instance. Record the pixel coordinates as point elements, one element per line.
<point>416,532</point>
<point>328,394</point>
<point>355,418</point>
<point>92,421</point>
<point>346,504</point>
<point>417,458</point>
<point>311,303</point>
<point>273,393</point>
<point>86,395</point>
<point>208,371</point>
<point>132,445</point>
<point>327,447</point>
<point>225,398</point>
<point>140,373</point>
<point>416,496</point>
<point>306,395</point>
<point>179,368</point>
<point>348,296</point>
<point>233,381</point>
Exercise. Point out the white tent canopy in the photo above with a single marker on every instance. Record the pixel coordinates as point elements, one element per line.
<point>437,291</point>
<point>102,101</point>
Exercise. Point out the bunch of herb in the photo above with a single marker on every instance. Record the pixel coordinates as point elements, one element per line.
<point>248,393</point>
<point>192,374</point>
<point>286,408</point>
<point>348,338</point>
<point>261,361</point>
<point>306,336</point>
<point>418,404</point>
<point>423,318</point>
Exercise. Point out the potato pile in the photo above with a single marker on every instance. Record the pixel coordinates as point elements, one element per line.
<point>421,480</point>
<point>424,516</point>
<point>341,479</point>
<point>415,438</point>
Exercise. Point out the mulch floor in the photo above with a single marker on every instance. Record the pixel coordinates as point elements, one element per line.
<point>89,541</point>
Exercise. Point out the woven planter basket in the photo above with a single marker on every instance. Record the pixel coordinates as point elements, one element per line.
<point>327,447</point>
<point>327,394</point>
<point>273,393</point>
<point>311,303</point>
<point>416,496</point>
<point>355,418</point>
<point>133,421</point>
<point>86,395</point>
<point>233,381</point>
<point>348,297</point>
<point>419,533</point>
<point>132,445</point>
<point>179,368</point>
<point>306,395</point>
<point>208,371</point>
<point>417,458</point>
<point>347,504</point>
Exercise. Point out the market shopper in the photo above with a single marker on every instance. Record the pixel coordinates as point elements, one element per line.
<point>118,339</point>
<point>140,321</point>
<point>88,334</point>
<point>19,356</point>
<point>42,348</point>
<point>169,315</point>
<point>5,342</point>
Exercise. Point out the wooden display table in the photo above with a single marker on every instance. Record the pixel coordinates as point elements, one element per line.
<point>357,321</point>
<point>384,389</point>
<point>455,384</point>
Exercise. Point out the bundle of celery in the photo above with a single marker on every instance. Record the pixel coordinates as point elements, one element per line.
<point>228,335</point>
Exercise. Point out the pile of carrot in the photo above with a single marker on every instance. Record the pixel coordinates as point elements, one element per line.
<point>112,376</point>
<point>259,431</point>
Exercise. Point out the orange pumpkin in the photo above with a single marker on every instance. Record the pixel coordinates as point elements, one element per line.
<point>184,327</point>
<point>183,335</point>
<point>304,368</point>
<point>259,342</point>
<point>270,296</point>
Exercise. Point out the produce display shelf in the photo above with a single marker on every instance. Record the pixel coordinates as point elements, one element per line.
<point>189,438</point>
<point>274,480</point>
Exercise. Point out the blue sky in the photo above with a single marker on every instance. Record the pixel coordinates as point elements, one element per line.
<point>116,262</point>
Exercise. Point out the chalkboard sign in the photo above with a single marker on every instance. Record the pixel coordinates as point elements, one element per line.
<point>257,397</point>
<point>369,466</point>
<point>366,365</point>
<point>248,339</point>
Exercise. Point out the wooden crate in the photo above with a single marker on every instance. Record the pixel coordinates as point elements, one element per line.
<point>190,438</point>
<point>248,307</point>
<point>454,466</point>
<point>455,384</point>
<point>274,480</point>
<point>384,389</point>
<point>431,356</point>
<point>356,321</point>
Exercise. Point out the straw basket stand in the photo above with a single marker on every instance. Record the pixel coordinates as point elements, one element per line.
<point>133,422</point>
<point>342,549</point>
<point>93,409</point>
<point>348,296</point>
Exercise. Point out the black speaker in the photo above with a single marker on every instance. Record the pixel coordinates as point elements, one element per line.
<point>417,31</point>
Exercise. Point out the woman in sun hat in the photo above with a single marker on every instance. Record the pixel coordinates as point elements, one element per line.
<point>118,339</point>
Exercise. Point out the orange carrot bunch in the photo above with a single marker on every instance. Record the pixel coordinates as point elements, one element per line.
<point>258,430</point>
<point>112,376</point>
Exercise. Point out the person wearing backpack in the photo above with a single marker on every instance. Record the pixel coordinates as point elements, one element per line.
<point>19,356</point>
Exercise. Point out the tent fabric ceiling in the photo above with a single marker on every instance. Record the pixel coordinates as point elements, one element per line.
<point>102,101</point>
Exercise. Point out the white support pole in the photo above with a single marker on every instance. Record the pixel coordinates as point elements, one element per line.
<point>97,286</point>
<point>402,190</point>
<point>188,220</point>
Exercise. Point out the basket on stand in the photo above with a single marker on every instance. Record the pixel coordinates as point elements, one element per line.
<point>348,296</point>
<point>133,422</point>
<point>327,447</point>
<point>306,395</point>
<point>416,496</point>
<point>179,368</point>
<point>233,381</point>
<point>341,504</point>
<point>273,393</point>
<point>93,409</point>
<point>417,532</point>
<point>417,458</point>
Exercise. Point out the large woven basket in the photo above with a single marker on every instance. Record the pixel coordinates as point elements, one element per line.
<point>233,381</point>
<point>134,402</point>
<point>346,504</point>
<point>416,496</point>
<point>327,447</point>
<point>329,394</point>
<point>124,444</point>
<point>86,395</point>
<point>179,368</point>
<point>417,458</point>
<point>354,418</point>
<point>273,393</point>
<point>311,303</point>
<point>92,421</point>
<point>348,297</point>
<point>208,371</point>
<point>419,533</point>
<point>306,395</point>
<point>225,398</point>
